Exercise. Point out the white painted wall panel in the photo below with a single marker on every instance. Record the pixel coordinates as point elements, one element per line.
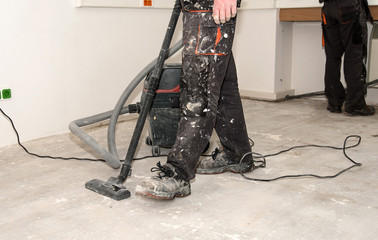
<point>64,63</point>
<point>254,49</point>
<point>246,4</point>
<point>308,58</point>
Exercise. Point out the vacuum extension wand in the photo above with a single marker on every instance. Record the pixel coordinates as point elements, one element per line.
<point>113,187</point>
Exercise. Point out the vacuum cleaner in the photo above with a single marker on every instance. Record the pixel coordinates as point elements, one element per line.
<point>160,102</point>
<point>164,114</point>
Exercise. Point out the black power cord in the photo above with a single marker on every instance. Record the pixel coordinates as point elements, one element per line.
<point>370,84</point>
<point>260,163</point>
<point>263,161</point>
<point>57,157</point>
<point>42,156</point>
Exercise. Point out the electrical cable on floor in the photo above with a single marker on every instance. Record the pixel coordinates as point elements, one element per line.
<point>42,156</point>
<point>261,163</point>
<point>313,94</point>
<point>370,84</point>
<point>57,157</point>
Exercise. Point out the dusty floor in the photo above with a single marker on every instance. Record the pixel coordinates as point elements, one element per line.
<point>46,199</point>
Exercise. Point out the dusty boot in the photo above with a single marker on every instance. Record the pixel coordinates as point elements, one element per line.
<point>166,185</point>
<point>220,163</point>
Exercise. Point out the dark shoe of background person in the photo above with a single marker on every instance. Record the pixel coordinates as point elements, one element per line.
<point>166,185</point>
<point>333,109</point>
<point>220,163</point>
<point>367,110</point>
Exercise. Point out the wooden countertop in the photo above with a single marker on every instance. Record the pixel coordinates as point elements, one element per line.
<point>310,14</point>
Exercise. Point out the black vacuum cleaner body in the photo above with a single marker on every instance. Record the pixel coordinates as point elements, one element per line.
<point>164,114</point>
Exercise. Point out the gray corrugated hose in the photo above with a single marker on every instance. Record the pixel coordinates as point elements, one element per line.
<point>111,156</point>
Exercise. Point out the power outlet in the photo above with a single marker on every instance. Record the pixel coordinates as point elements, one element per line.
<point>6,93</point>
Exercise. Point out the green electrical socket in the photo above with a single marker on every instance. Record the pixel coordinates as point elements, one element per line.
<point>7,93</point>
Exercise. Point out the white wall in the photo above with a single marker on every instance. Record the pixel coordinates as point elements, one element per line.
<point>263,50</point>
<point>308,58</point>
<point>246,4</point>
<point>297,3</point>
<point>284,55</point>
<point>254,49</point>
<point>64,63</point>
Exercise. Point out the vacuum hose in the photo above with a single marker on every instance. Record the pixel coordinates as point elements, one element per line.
<point>111,156</point>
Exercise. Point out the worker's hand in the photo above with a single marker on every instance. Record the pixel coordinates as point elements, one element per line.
<point>224,10</point>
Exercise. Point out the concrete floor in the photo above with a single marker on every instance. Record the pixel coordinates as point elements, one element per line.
<point>46,199</point>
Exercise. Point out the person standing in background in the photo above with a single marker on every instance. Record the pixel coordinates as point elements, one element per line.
<point>344,24</point>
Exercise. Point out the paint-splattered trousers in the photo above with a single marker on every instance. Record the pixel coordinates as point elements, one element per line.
<point>209,95</point>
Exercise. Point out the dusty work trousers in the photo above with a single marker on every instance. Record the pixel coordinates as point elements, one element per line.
<point>345,33</point>
<point>209,94</point>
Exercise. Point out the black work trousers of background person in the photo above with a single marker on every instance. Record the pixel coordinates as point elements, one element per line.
<point>345,33</point>
<point>209,96</point>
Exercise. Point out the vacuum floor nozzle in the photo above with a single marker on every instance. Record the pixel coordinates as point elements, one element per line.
<point>108,188</point>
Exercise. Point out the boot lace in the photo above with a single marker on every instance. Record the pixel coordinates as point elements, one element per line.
<point>215,153</point>
<point>163,171</point>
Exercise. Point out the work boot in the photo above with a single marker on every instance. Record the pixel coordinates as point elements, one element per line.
<point>166,185</point>
<point>220,163</point>
<point>334,109</point>
<point>367,110</point>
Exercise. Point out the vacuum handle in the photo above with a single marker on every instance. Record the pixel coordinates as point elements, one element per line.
<point>153,84</point>
<point>166,43</point>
